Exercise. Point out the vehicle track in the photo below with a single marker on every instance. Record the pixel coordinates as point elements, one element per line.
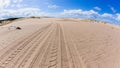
<point>64,57</point>
<point>75,61</point>
<point>49,47</point>
<point>36,46</point>
<point>50,58</point>
<point>55,54</point>
<point>42,51</point>
<point>9,55</point>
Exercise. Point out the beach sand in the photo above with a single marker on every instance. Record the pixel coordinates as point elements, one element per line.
<point>59,43</point>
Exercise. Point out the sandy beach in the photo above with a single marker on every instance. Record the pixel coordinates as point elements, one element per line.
<point>59,43</point>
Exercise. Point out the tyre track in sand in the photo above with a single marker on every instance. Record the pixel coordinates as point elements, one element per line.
<point>36,47</point>
<point>42,51</point>
<point>49,47</point>
<point>55,54</point>
<point>9,55</point>
<point>75,60</point>
<point>50,59</point>
<point>58,54</point>
<point>64,57</point>
<point>19,41</point>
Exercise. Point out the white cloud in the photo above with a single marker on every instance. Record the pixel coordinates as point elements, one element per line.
<point>91,14</point>
<point>97,8</point>
<point>112,9</point>
<point>24,12</point>
<point>80,13</point>
<point>17,1</point>
<point>8,3</point>
<point>53,6</point>
<point>4,3</point>
<point>111,16</point>
<point>118,16</point>
<point>18,5</point>
<point>107,15</point>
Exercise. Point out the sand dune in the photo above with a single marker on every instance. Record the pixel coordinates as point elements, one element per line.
<point>59,43</point>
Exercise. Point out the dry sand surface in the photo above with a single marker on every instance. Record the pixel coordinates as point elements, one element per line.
<point>59,43</point>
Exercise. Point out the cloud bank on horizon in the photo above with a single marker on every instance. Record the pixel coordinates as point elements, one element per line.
<point>90,9</point>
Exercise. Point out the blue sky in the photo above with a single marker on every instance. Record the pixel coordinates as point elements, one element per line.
<point>105,10</point>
